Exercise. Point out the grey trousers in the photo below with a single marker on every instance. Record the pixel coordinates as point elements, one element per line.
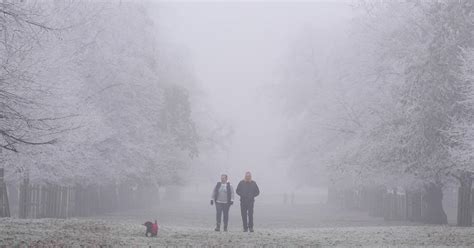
<point>246,208</point>
<point>222,209</point>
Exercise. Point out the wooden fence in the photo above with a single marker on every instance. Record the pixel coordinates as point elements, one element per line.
<point>46,201</point>
<point>381,202</point>
<point>53,201</point>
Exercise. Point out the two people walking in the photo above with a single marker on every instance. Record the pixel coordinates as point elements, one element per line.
<point>223,197</point>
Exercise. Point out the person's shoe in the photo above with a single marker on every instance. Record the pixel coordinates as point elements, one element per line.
<point>225,229</point>
<point>246,230</point>
<point>251,229</point>
<point>217,229</point>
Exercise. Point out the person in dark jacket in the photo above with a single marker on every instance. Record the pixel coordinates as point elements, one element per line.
<point>247,190</point>
<point>223,196</point>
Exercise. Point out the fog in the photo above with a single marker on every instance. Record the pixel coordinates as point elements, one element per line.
<point>237,50</point>
<point>168,123</point>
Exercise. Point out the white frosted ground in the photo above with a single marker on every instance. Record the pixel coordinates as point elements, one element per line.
<point>192,225</point>
<point>77,232</point>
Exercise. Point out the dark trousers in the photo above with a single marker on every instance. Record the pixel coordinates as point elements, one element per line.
<point>222,208</point>
<point>246,208</point>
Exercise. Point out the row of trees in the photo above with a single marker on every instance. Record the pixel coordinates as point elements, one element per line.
<point>91,93</point>
<point>391,103</point>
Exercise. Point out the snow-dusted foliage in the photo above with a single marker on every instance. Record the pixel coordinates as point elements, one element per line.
<point>117,97</point>
<point>461,134</point>
<point>397,105</point>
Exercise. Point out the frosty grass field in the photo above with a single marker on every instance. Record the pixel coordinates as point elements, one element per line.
<point>185,226</point>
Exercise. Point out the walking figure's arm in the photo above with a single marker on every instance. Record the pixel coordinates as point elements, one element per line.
<point>213,196</point>
<point>257,190</point>
<point>231,193</point>
<point>239,189</point>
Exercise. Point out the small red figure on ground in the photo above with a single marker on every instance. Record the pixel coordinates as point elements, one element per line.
<point>151,229</point>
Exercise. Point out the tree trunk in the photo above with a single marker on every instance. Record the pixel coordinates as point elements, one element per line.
<point>433,200</point>
<point>416,207</point>
<point>4,204</point>
<point>364,200</point>
<point>380,193</point>
<point>464,217</point>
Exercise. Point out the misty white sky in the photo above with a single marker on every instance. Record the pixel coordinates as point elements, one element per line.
<point>236,50</point>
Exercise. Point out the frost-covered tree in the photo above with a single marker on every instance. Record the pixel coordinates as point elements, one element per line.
<point>461,136</point>
<point>140,94</point>
<point>395,93</point>
<point>129,93</point>
<point>418,47</point>
<point>24,118</point>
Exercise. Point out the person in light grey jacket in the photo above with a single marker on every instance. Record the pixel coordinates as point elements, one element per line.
<point>223,197</point>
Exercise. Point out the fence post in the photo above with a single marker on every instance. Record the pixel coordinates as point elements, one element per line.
<point>4,204</point>
<point>24,203</point>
